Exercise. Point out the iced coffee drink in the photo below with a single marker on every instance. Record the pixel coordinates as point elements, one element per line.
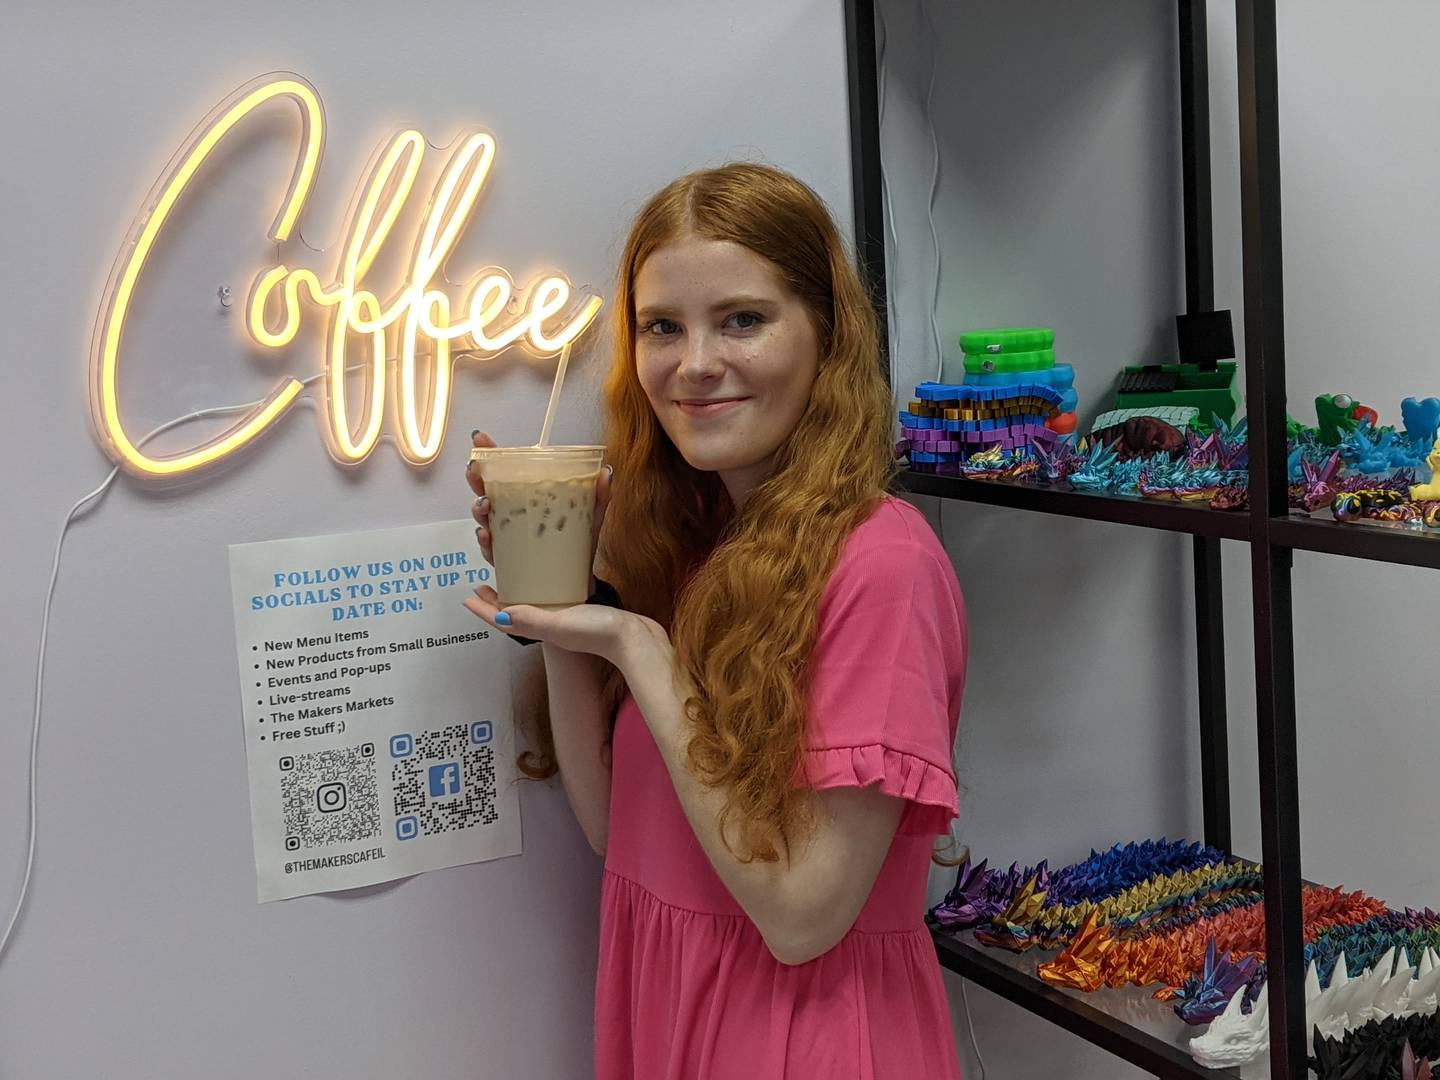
<point>542,507</point>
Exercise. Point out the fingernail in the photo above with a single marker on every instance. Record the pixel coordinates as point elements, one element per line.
<point>503,618</point>
<point>610,473</point>
<point>477,535</point>
<point>481,501</point>
<point>474,433</point>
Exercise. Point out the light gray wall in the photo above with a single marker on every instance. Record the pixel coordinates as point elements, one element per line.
<point>1059,205</point>
<point>143,953</point>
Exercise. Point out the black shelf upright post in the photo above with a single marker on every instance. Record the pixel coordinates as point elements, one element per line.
<point>1200,296</point>
<point>1270,564</point>
<point>869,206</point>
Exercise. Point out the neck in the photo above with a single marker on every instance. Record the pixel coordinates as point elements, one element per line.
<point>741,482</point>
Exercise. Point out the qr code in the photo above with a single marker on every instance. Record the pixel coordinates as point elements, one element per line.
<point>330,797</point>
<point>443,780</point>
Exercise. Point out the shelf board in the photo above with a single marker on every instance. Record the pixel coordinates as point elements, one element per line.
<point>1121,509</point>
<point>1129,1023</point>
<point>1384,543</point>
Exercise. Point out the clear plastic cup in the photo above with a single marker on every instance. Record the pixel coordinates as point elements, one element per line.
<point>542,507</point>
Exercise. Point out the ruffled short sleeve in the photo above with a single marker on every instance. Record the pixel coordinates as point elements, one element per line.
<point>888,671</point>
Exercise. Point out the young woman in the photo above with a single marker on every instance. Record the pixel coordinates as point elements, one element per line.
<point>759,742</point>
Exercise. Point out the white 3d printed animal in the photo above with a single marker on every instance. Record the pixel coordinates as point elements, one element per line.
<point>1236,1038</point>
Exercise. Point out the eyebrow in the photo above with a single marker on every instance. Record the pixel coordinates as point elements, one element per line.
<point>660,311</point>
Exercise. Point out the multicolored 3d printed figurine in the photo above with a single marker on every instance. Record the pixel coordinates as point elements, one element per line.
<point>1429,492</point>
<point>1374,504</point>
<point>1339,415</point>
<point>948,425</point>
<point>1001,424</point>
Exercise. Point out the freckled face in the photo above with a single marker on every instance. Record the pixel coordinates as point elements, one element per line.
<point>726,353</point>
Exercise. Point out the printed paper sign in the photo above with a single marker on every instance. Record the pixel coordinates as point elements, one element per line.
<point>376,708</point>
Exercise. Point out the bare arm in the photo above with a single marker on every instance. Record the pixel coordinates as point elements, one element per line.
<point>804,904</point>
<point>581,729</point>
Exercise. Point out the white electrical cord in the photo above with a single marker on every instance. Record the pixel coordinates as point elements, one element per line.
<point>892,240</point>
<point>969,1023</point>
<point>203,414</point>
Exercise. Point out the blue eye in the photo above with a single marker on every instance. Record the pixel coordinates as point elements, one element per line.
<point>745,320</point>
<point>660,327</point>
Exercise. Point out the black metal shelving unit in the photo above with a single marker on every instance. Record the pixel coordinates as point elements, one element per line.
<point>1125,1026</point>
<point>1128,1022</point>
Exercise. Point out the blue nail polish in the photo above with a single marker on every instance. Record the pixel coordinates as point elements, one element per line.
<point>474,433</point>
<point>503,618</point>
<point>481,501</point>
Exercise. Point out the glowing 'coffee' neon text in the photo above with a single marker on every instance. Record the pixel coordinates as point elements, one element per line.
<point>494,315</point>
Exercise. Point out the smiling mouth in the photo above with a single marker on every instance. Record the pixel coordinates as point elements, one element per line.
<point>709,408</point>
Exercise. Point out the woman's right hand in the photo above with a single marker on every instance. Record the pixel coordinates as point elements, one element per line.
<point>480,508</point>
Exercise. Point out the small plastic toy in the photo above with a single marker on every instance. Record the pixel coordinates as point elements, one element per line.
<point>1205,996</point>
<point>1141,436</point>
<point>1319,483</point>
<point>1235,1037</point>
<point>968,903</point>
<point>1231,497</point>
<point>1376,452</point>
<point>980,895</point>
<point>1007,340</point>
<point>988,363</point>
<point>1421,419</point>
<point>1339,415</point>
<point>1177,416</point>
<point>1181,481</point>
<point>1082,965</point>
<point>1372,1051</point>
<point>1430,491</point>
<point>1204,379</point>
<point>1000,464</point>
<point>1013,928</point>
<point>1224,447</point>
<point>1094,472</point>
<point>1063,423</point>
<point>995,358</point>
<point>1360,1024</point>
<point>949,424</point>
<point>1374,504</point>
<point>1055,457</point>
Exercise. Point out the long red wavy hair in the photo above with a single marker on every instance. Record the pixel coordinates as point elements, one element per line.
<point>739,591</point>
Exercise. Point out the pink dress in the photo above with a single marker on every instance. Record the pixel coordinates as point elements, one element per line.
<point>686,988</point>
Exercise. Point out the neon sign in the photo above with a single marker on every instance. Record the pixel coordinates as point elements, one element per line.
<point>543,317</point>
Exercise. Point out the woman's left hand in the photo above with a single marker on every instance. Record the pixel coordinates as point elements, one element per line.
<point>607,632</point>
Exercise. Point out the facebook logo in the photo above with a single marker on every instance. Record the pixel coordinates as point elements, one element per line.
<point>445,780</point>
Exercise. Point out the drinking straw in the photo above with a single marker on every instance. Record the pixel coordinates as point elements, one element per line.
<point>554,396</point>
